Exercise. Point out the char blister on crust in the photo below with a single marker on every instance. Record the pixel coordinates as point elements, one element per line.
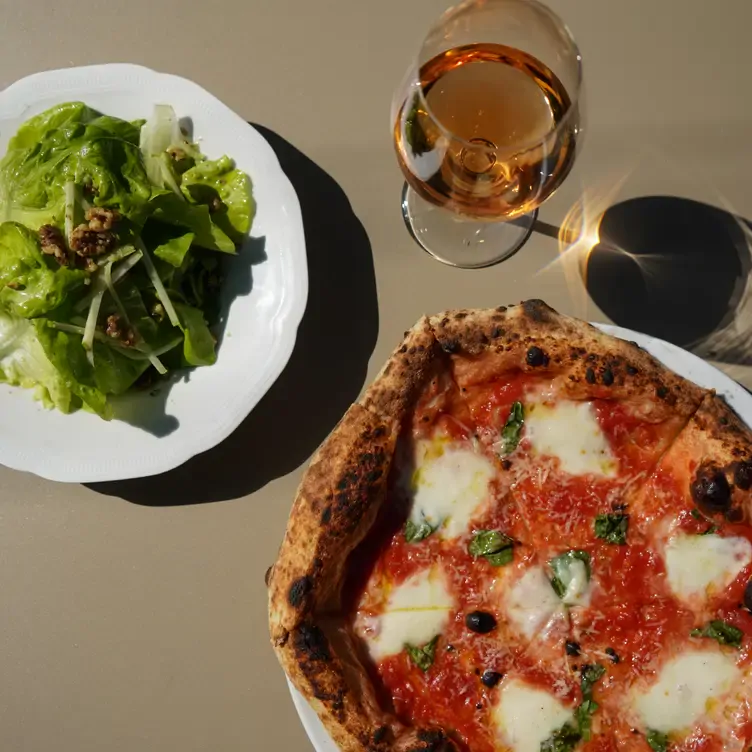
<point>720,482</point>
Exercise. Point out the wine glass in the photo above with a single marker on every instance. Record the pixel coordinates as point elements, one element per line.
<point>486,127</point>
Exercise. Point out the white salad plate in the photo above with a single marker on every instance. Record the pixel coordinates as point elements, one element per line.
<point>267,282</point>
<point>678,360</point>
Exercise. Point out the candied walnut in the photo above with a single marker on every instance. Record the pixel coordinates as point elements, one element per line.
<point>119,331</point>
<point>53,243</point>
<point>87,242</point>
<point>101,218</point>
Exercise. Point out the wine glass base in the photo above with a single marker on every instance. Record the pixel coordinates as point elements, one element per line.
<point>459,241</point>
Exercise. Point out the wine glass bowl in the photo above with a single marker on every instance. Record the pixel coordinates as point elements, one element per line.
<point>484,130</point>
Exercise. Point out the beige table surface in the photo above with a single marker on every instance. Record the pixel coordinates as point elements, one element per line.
<point>139,623</point>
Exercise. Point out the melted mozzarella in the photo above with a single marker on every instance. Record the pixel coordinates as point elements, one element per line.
<point>416,611</point>
<point>531,602</point>
<point>698,565</point>
<point>526,716</point>
<point>687,687</point>
<point>578,589</point>
<point>449,485</point>
<point>570,432</point>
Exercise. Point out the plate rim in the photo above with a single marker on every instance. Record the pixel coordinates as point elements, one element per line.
<point>288,317</point>
<point>729,389</point>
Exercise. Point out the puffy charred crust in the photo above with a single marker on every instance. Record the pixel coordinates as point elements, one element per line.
<point>721,425</point>
<point>417,359</point>
<point>532,337</point>
<point>336,504</point>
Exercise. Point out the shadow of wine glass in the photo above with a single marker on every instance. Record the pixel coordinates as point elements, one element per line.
<point>326,370</point>
<point>679,270</point>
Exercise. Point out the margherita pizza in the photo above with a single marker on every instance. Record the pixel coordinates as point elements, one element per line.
<point>528,536</point>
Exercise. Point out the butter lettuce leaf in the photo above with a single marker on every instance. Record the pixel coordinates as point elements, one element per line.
<point>32,284</point>
<point>174,250</point>
<point>174,210</point>
<point>227,190</point>
<point>24,363</point>
<point>113,373</point>
<point>199,344</point>
<point>72,142</point>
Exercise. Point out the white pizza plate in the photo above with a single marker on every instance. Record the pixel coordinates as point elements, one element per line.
<point>267,282</point>
<point>681,361</point>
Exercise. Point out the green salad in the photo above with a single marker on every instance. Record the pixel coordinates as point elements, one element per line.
<point>111,235</point>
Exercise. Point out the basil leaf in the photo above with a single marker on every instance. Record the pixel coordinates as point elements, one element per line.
<point>423,657</point>
<point>559,587</point>
<point>658,742</point>
<point>488,542</point>
<point>612,527</point>
<point>696,514</point>
<point>415,533</point>
<point>510,434</point>
<point>562,740</point>
<point>711,530</point>
<point>502,558</point>
<point>562,567</point>
<point>493,545</point>
<point>590,673</point>
<point>583,716</point>
<point>721,631</point>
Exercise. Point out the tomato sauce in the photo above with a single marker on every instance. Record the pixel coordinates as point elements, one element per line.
<point>448,697</point>
<point>626,574</point>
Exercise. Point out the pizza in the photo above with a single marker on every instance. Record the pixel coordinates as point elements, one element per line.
<point>527,535</point>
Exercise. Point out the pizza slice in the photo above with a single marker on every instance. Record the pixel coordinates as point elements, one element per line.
<point>577,417</point>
